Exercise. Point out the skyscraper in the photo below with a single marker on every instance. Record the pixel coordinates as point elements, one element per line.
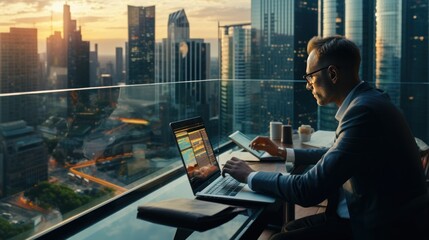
<point>56,61</point>
<point>25,158</point>
<point>78,61</point>
<point>280,32</point>
<point>332,17</point>
<point>177,32</point>
<point>414,62</point>
<point>182,59</point>
<point>18,73</point>
<point>360,28</point>
<point>77,53</point>
<point>141,45</point>
<point>67,21</point>
<point>19,60</point>
<point>178,27</point>
<point>94,68</point>
<point>388,46</point>
<point>119,72</point>
<point>332,23</point>
<point>235,107</point>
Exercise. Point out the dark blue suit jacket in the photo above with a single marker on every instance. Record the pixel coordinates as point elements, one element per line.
<point>374,159</point>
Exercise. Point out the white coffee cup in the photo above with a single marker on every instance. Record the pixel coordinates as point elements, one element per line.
<point>304,132</point>
<point>276,130</point>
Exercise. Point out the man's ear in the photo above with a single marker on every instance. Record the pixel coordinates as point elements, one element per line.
<point>333,74</point>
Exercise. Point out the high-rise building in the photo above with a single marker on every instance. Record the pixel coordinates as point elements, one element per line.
<point>94,67</point>
<point>332,19</point>
<point>56,61</point>
<point>77,53</point>
<point>235,91</point>
<point>177,32</point>
<point>19,60</point>
<point>281,30</point>
<point>24,156</point>
<point>141,45</point>
<point>388,46</point>
<point>360,28</point>
<point>126,61</point>
<point>181,59</point>
<point>19,64</point>
<point>67,25</point>
<point>78,61</point>
<point>119,72</point>
<point>414,62</point>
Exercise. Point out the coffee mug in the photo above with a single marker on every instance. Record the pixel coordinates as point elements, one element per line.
<point>276,130</point>
<point>287,134</point>
<point>304,132</point>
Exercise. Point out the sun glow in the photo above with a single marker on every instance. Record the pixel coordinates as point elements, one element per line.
<point>57,7</point>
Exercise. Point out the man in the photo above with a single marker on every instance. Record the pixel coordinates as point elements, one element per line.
<point>372,175</point>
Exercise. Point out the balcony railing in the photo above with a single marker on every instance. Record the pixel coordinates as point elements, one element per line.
<point>83,153</point>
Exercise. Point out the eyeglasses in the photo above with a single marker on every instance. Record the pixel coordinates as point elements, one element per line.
<point>310,75</point>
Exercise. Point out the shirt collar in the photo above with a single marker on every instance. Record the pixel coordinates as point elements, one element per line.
<point>346,102</point>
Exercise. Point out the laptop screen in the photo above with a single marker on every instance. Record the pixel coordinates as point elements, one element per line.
<point>196,151</point>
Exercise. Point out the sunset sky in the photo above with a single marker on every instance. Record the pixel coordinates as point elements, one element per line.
<point>105,22</point>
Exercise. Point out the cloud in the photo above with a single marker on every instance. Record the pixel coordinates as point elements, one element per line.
<point>7,24</point>
<point>121,28</point>
<point>91,19</point>
<point>32,20</point>
<point>222,14</point>
<point>37,5</point>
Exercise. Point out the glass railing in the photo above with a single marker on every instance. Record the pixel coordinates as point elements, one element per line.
<point>249,106</point>
<point>64,154</point>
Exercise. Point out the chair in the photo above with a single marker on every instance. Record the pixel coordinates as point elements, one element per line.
<point>424,156</point>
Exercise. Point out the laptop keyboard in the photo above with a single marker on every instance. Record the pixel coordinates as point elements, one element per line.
<point>228,187</point>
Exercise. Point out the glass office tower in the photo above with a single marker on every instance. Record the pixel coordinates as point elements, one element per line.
<point>77,52</point>
<point>332,17</point>
<point>359,27</point>
<point>56,61</point>
<point>235,110</point>
<point>24,157</point>
<point>280,32</point>
<point>332,23</point>
<point>182,59</point>
<point>388,41</point>
<point>141,45</point>
<point>414,65</point>
<point>19,73</point>
<point>119,72</point>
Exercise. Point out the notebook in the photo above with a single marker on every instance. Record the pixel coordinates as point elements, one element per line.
<point>244,141</point>
<point>202,167</point>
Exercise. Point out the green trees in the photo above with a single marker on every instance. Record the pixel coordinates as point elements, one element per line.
<point>58,196</point>
<point>8,230</point>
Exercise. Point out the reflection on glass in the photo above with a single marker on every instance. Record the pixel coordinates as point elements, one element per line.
<point>84,147</point>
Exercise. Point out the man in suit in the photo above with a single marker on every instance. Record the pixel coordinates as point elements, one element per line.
<point>372,175</point>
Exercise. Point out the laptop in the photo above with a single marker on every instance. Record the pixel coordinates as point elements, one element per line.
<point>243,141</point>
<point>202,167</point>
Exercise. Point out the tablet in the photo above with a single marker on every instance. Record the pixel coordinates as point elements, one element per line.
<point>243,141</point>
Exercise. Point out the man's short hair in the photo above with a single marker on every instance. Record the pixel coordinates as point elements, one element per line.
<point>336,49</point>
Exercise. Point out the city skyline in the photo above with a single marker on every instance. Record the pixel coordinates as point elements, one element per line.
<point>107,24</point>
<point>109,133</point>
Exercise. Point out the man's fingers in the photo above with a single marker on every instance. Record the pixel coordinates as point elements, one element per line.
<point>229,165</point>
<point>225,169</point>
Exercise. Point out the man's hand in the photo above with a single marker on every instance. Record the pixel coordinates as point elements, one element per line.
<point>238,169</point>
<point>265,144</point>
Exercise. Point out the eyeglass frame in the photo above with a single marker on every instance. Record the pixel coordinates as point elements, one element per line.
<point>305,76</point>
